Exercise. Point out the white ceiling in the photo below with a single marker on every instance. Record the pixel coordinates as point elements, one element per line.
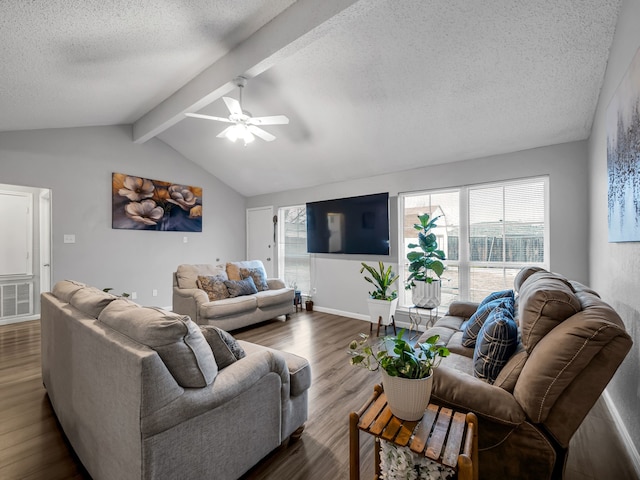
<point>370,86</point>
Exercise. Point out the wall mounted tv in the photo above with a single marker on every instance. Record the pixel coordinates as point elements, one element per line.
<point>354,225</point>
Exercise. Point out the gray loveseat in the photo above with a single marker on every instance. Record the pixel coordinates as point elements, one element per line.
<point>229,313</point>
<point>142,393</point>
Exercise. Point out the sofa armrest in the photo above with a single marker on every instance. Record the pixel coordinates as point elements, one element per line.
<point>462,309</point>
<point>230,382</point>
<point>199,296</point>
<point>275,283</point>
<point>187,301</point>
<point>469,393</point>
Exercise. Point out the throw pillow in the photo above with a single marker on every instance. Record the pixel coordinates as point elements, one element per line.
<point>225,348</point>
<point>259,276</point>
<point>495,295</point>
<point>177,339</point>
<point>214,286</point>
<point>475,322</point>
<point>238,288</point>
<point>497,341</point>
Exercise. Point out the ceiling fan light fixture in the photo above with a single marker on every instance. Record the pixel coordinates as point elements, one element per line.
<point>241,131</point>
<point>243,126</point>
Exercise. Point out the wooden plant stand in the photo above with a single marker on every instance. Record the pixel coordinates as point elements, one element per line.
<point>442,435</point>
<point>393,324</point>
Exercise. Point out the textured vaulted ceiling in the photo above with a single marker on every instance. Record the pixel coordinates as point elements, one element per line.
<point>370,86</point>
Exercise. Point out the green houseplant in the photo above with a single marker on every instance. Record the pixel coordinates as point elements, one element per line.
<point>406,371</point>
<point>382,280</point>
<point>425,264</point>
<point>382,303</point>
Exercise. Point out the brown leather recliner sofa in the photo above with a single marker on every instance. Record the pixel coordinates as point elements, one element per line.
<point>570,345</point>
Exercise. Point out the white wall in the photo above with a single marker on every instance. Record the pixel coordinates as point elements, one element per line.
<point>337,279</point>
<point>615,266</point>
<point>77,163</point>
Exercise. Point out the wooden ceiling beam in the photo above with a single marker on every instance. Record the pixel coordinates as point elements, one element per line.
<point>297,26</point>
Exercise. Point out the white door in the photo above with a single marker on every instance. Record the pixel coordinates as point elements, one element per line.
<point>261,237</point>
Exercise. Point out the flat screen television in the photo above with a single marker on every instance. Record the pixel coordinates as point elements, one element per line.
<point>354,225</point>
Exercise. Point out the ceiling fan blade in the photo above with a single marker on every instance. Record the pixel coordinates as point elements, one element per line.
<point>233,105</point>
<point>223,133</point>
<point>208,117</point>
<point>272,120</point>
<point>258,132</point>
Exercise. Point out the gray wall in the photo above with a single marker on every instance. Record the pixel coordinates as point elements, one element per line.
<point>615,266</point>
<point>339,284</point>
<point>77,163</point>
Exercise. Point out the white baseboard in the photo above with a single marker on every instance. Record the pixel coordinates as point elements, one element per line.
<point>8,321</point>
<point>624,433</point>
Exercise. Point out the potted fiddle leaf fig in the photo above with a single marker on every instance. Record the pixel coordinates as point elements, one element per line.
<point>425,265</point>
<point>382,302</point>
<point>407,372</point>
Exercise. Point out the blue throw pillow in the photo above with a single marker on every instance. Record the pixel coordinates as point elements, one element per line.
<point>495,295</point>
<point>238,288</point>
<point>497,341</point>
<point>474,324</point>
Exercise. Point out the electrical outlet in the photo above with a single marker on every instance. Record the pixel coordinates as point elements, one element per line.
<point>134,295</point>
<point>69,238</point>
<point>155,292</point>
<point>185,239</point>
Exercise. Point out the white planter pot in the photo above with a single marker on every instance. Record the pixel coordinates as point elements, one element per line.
<point>381,308</point>
<point>407,398</point>
<point>425,294</point>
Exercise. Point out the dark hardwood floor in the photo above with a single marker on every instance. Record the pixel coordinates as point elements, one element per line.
<point>32,445</point>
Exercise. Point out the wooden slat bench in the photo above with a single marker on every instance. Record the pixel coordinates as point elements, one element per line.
<point>444,436</point>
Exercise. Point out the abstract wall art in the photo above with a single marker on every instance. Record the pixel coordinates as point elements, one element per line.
<point>145,204</point>
<point>623,157</point>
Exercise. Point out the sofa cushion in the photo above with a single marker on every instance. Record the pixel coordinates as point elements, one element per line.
<point>64,289</point>
<point>187,275</point>
<point>214,286</point>
<point>269,298</point>
<point>497,341</point>
<point>545,301</point>
<point>523,275</point>
<point>239,288</point>
<point>299,368</point>
<point>177,339</point>
<point>233,268</point>
<point>508,376</point>
<point>226,349</point>
<point>91,300</point>
<point>258,275</point>
<point>474,324</point>
<point>228,306</point>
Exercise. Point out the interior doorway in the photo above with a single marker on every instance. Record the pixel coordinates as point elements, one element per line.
<point>25,251</point>
<point>261,237</point>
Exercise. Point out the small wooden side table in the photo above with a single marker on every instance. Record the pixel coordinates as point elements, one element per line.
<point>443,435</point>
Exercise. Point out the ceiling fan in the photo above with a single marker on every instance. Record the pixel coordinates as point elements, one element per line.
<point>244,125</point>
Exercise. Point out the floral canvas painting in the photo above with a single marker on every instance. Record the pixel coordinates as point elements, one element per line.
<point>623,157</point>
<point>145,204</point>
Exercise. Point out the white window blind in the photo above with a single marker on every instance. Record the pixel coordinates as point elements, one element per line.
<point>293,259</point>
<point>488,232</point>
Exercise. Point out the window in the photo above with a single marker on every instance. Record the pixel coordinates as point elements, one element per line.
<point>293,259</point>
<point>488,232</point>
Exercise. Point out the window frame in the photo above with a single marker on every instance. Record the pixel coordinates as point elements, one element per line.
<point>464,263</point>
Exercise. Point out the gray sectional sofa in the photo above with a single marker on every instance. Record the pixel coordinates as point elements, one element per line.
<point>230,312</point>
<point>142,393</point>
